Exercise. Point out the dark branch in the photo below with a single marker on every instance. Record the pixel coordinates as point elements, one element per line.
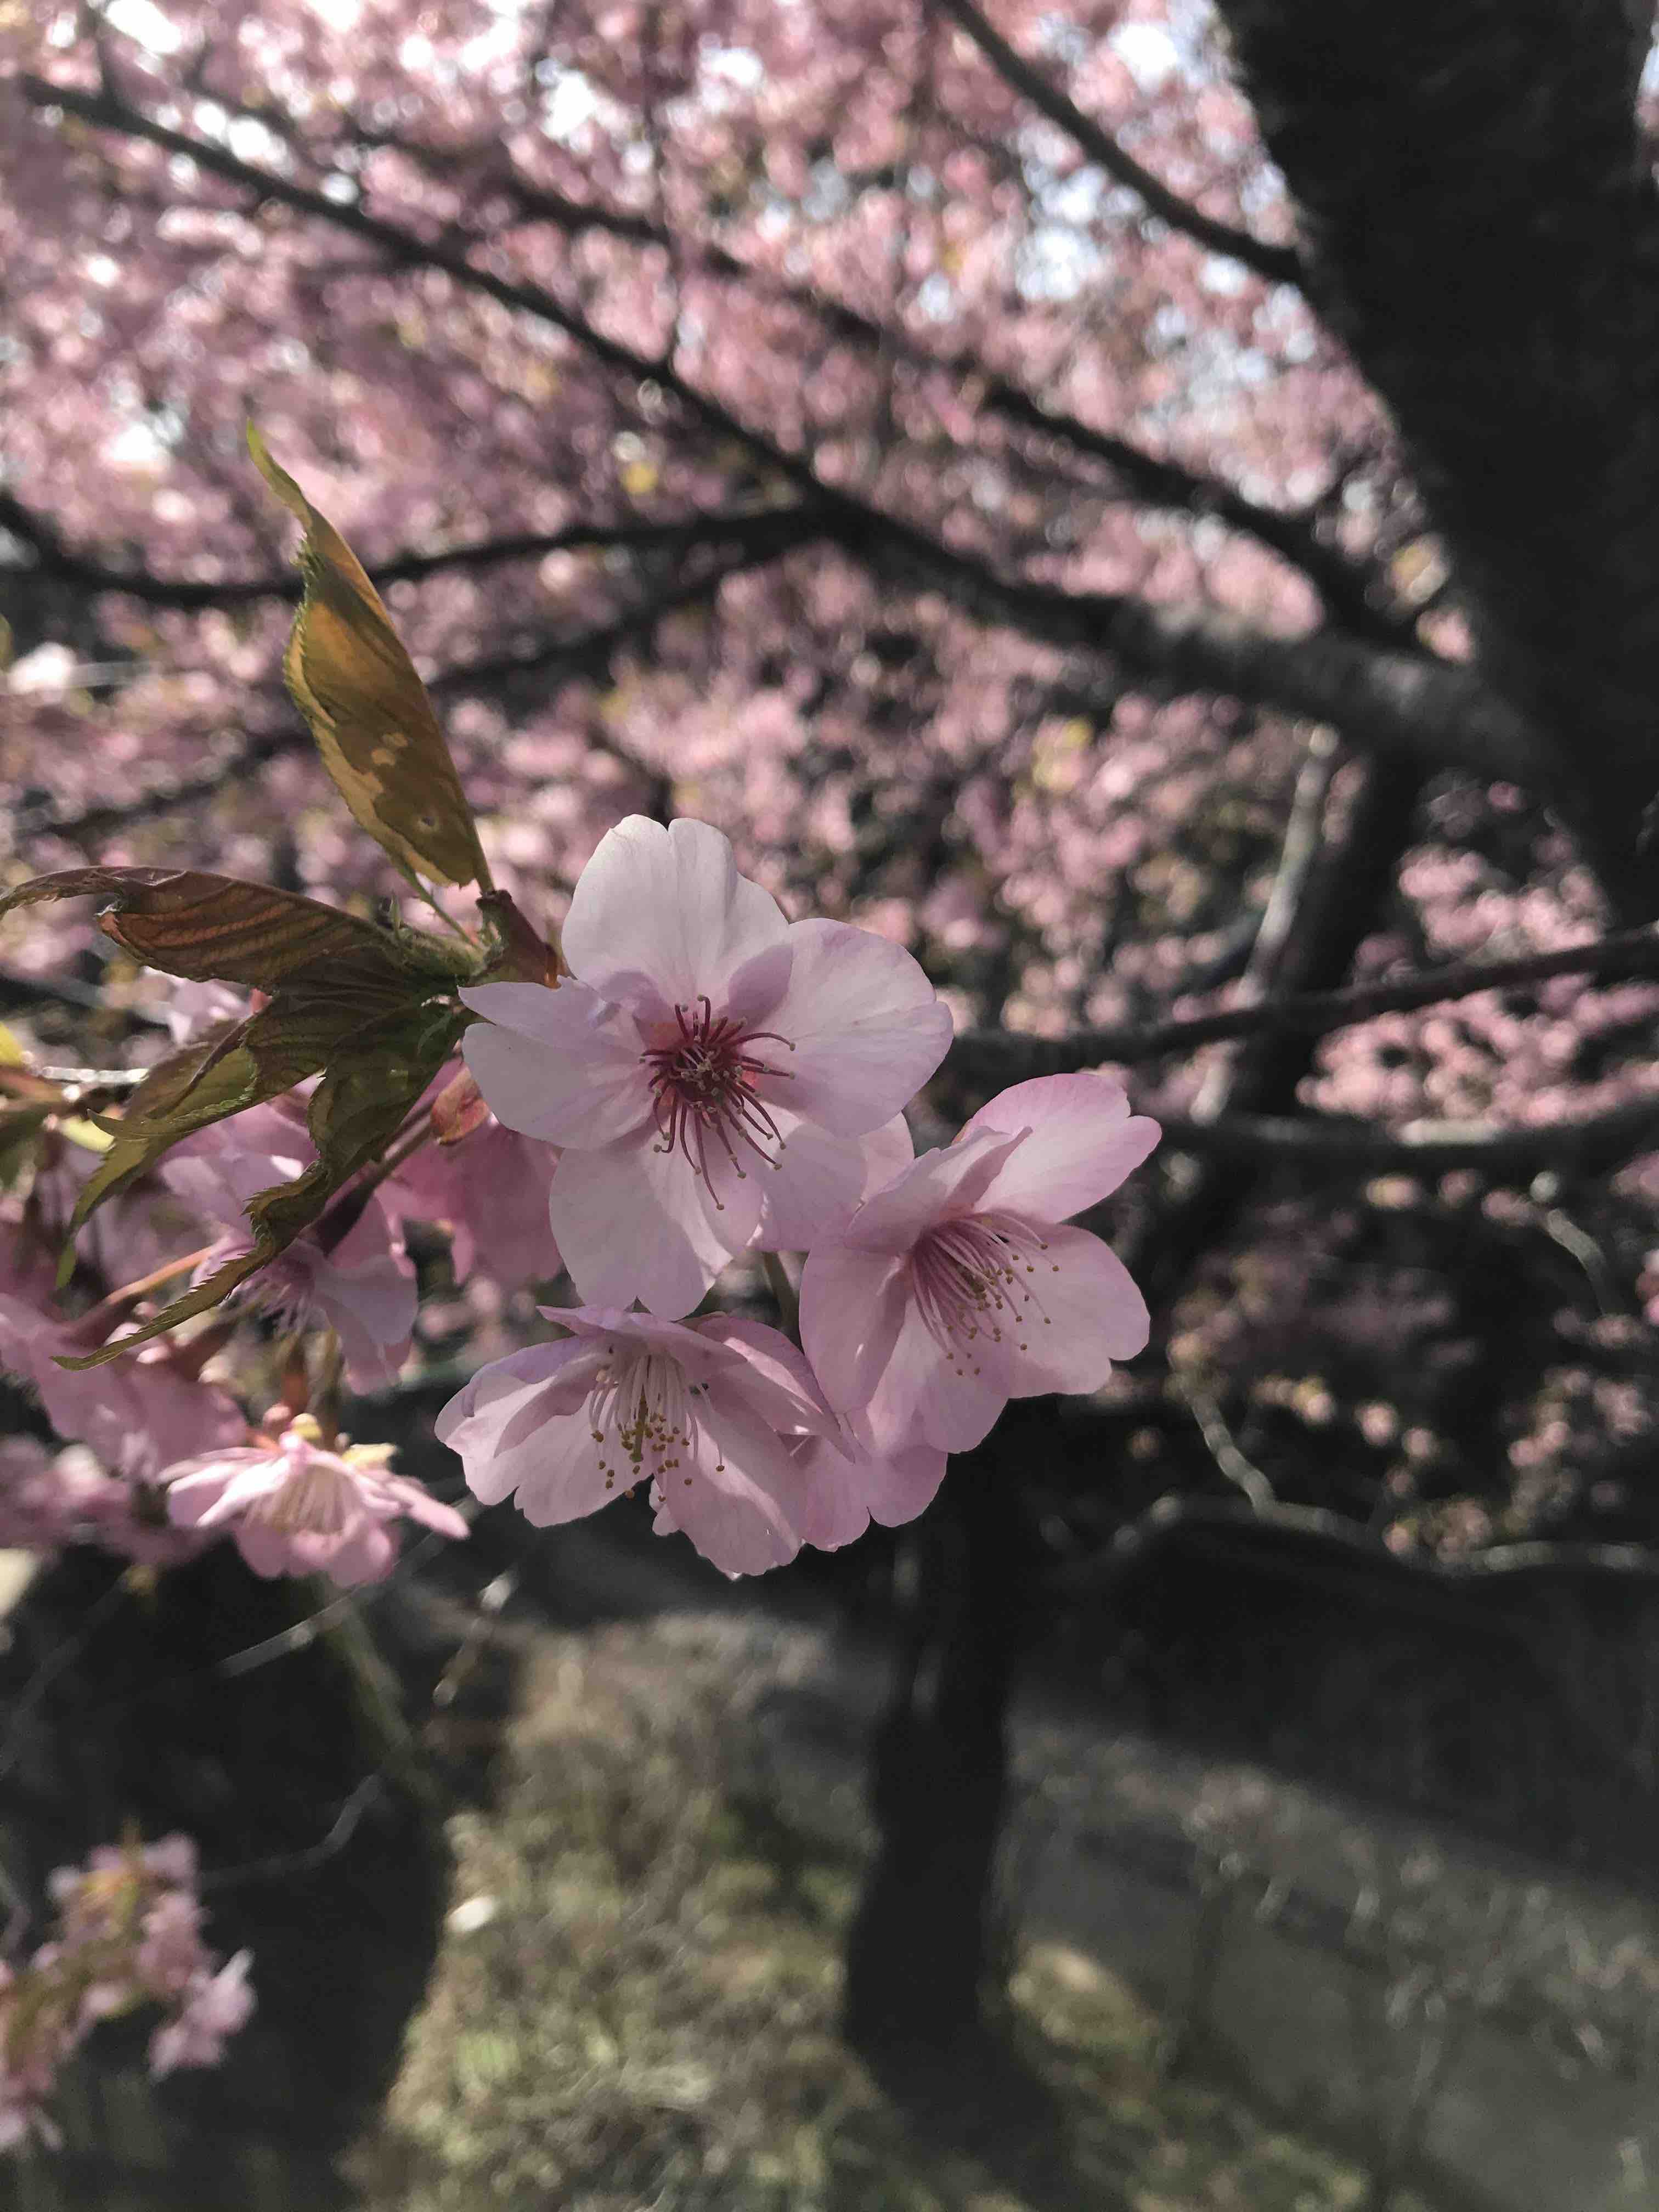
<point>587,654</point>
<point>719,531</point>
<point>1639,1562</point>
<point>1279,265</point>
<point>1159,483</point>
<point>1007,1056</point>
<point>164,796</point>
<point>1392,703</point>
<point>1321,1147</point>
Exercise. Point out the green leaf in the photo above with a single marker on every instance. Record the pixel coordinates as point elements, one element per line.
<point>19,1127</point>
<point>368,710</point>
<point>205,1296</point>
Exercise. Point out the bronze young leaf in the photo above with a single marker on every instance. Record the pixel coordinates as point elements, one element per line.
<point>261,1057</point>
<point>368,710</point>
<point>368,1091</point>
<point>336,982</point>
<point>217,928</point>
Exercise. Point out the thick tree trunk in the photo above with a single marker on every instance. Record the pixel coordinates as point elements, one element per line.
<point>1483,234</point>
<point>918,1951</point>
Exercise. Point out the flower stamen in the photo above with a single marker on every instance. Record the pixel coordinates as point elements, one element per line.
<point>971,1279</point>
<point>642,1411</point>
<point>702,1089</point>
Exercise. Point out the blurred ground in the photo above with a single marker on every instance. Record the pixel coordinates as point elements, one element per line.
<point>635,2001</point>
<point>655,1804</point>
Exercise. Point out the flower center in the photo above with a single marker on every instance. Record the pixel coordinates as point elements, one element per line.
<point>973,1280</point>
<point>318,1494</point>
<point>286,1288</point>
<point>642,1410</point>
<point>702,1091</point>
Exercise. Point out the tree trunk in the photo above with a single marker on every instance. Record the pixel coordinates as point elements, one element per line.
<point>919,1949</point>
<point>1483,234</point>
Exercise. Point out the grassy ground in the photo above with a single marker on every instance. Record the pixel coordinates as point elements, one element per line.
<point>635,2004</point>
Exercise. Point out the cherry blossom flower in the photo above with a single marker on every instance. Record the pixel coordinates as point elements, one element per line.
<point>715,1074</point>
<point>364,1288</point>
<point>138,1413</point>
<point>130,1234</point>
<point>705,1411</point>
<point>128,1933</point>
<point>38,1511</point>
<point>296,1509</point>
<point>489,1186</point>
<point>49,1500</point>
<point>214,2006</point>
<point>844,1488</point>
<point>36,2036</point>
<point>193,1008</point>
<point>955,1288</point>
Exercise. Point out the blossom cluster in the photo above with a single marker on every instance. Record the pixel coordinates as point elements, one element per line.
<point>697,1081</point>
<point>713,1080</point>
<point>127,1934</point>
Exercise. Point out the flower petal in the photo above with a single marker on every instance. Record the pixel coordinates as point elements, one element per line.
<point>1085,1314</point>
<point>903,1484</point>
<point>853,1304</point>
<point>1083,1142</point>
<point>926,1394</point>
<point>660,916</point>
<point>565,1065</point>
<point>867,1025</point>
<point>699,1355</point>
<point>737,1501</point>
<point>768,1373</point>
<point>634,1221</point>
<point>820,1180</point>
<point>519,1396</point>
<point>844,1489</point>
<point>940,1184</point>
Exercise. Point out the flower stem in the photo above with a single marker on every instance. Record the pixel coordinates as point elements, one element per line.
<point>783,1291</point>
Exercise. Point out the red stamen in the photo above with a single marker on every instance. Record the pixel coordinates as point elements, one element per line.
<point>703,1087</point>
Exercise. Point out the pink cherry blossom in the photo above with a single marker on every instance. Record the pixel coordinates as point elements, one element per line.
<point>127,1933</point>
<point>38,1510</point>
<point>35,2039</point>
<point>712,1071</point>
<point>955,1288</point>
<point>48,1500</point>
<point>138,1413</point>
<point>490,1188</point>
<point>296,1509</point>
<point>705,1411</point>
<point>215,2005</point>
<point>193,1009</point>
<point>364,1288</point>
<point>130,1234</point>
<point>845,1488</point>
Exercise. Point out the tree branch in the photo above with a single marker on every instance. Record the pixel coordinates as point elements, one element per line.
<point>1162,483</point>
<point>588,654</point>
<point>1322,1147</point>
<point>1392,703</point>
<point>1279,265</point>
<point>1005,1055</point>
<point>55,558</point>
